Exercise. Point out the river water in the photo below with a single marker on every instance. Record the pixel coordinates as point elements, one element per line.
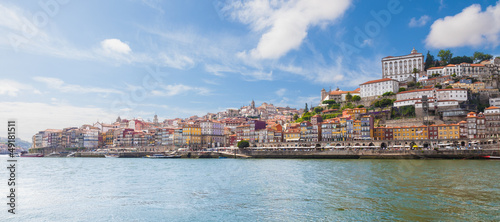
<point>116,189</point>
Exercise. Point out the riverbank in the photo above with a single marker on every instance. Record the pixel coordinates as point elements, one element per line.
<point>374,154</point>
<point>321,154</point>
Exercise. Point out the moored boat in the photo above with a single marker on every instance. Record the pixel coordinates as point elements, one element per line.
<point>491,157</point>
<point>32,155</point>
<point>161,156</point>
<point>111,155</point>
<point>54,154</point>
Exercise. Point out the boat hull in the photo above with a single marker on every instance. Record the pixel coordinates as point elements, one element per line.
<point>491,157</point>
<point>33,155</point>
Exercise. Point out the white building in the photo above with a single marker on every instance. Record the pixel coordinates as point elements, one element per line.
<point>401,67</point>
<point>495,102</point>
<point>337,95</point>
<point>407,98</point>
<point>440,104</point>
<point>462,69</point>
<point>378,87</point>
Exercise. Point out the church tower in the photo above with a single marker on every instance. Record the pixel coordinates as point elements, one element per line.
<point>252,104</point>
<point>155,120</point>
<point>323,94</point>
<point>119,120</point>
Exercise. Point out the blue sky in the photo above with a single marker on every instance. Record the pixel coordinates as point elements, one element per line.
<point>66,63</point>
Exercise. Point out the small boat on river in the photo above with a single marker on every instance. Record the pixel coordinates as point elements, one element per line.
<point>161,156</point>
<point>491,157</point>
<point>111,155</point>
<point>26,154</point>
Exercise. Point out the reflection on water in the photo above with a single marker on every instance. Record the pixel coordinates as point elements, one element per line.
<point>112,189</point>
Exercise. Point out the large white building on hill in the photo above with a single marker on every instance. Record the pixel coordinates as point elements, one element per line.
<point>407,98</point>
<point>378,87</point>
<point>401,67</point>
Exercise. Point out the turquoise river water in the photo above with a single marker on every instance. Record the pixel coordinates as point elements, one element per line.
<point>116,189</point>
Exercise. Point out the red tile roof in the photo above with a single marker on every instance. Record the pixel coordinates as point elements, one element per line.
<point>492,107</point>
<point>439,67</point>
<point>378,80</point>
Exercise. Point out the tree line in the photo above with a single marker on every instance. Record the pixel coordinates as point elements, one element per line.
<point>446,57</point>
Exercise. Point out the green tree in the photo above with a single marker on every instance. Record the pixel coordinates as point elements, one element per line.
<point>449,87</point>
<point>439,86</point>
<point>460,59</point>
<point>348,106</point>
<point>384,102</point>
<point>329,102</point>
<point>437,63</point>
<point>296,116</point>
<point>361,106</point>
<point>243,144</point>
<point>306,109</point>
<point>356,98</point>
<point>348,97</point>
<point>401,89</point>
<point>445,56</point>
<point>479,57</point>
<point>415,71</point>
<point>389,94</point>
<point>318,109</point>
<point>429,61</point>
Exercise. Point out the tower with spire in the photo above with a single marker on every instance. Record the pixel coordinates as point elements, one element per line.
<point>252,105</point>
<point>155,120</point>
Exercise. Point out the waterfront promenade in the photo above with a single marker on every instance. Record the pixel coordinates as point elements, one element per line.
<point>321,153</point>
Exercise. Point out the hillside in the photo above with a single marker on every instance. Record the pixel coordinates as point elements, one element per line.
<point>20,143</point>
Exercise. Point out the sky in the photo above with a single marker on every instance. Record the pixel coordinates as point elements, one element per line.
<point>66,63</point>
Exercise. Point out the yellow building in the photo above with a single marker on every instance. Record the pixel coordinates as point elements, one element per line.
<point>379,133</point>
<point>191,135</point>
<point>451,131</point>
<point>292,135</point>
<point>410,133</point>
<point>336,130</point>
<point>108,137</point>
<point>474,87</point>
<point>357,129</point>
<point>399,133</point>
<point>419,132</point>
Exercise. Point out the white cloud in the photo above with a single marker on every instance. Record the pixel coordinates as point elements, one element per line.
<point>218,70</point>
<point>419,22</point>
<point>284,23</point>
<point>441,5</point>
<point>258,75</point>
<point>60,85</point>
<point>337,72</point>
<point>367,42</point>
<point>281,92</point>
<point>471,27</point>
<point>177,61</point>
<point>172,90</point>
<point>11,18</point>
<point>13,88</point>
<point>115,46</point>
